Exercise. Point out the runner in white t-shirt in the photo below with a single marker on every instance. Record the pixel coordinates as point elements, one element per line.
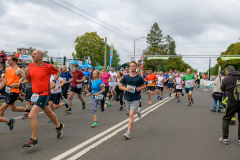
<point>56,93</point>
<point>178,85</point>
<point>160,84</point>
<point>112,83</point>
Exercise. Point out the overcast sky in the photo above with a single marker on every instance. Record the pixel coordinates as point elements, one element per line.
<point>198,27</point>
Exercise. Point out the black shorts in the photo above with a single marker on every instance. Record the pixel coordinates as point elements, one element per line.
<point>2,91</point>
<point>28,95</point>
<point>178,90</point>
<point>86,83</point>
<point>160,88</point>
<point>76,90</point>
<point>106,91</point>
<point>11,98</point>
<point>151,88</point>
<point>165,84</point>
<point>55,98</point>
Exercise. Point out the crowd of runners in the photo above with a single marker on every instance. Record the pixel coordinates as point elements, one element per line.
<point>46,86</point>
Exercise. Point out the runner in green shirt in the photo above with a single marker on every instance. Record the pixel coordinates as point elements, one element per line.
<point>189,80</point>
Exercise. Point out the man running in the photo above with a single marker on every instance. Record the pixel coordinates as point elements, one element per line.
<point>66,76</point>
<point>178,85</point>
<point>112,83</point>
<point>160,84</point>
<point>39,74</point>
<point>78,78</point>
<point>132,84</point>
<point>151,79</point>
<point>166,83</point>
<point>12,82</point>
<point>171,76</point>
<point>126,72</point>
<point>87,74</point>
<point>189,80</point>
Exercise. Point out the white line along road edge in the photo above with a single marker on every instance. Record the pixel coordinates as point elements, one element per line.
<point>74,149</point>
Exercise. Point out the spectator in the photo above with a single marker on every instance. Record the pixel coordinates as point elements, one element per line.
<point>217,93</point>
<point>233,106</point>
<point>3,58</point>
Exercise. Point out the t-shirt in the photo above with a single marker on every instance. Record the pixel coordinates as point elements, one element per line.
<point>160,81</point>
<point>77,75</point>
<point>105,78</point>
<point>66,77</point>
<point>28,86</point>
<point>40,77</point>
<point>166,75</point>
<point>58,82</point>
<point>150,79</point>
<point>188,80</point>
<point>179,82</point>
<point>112,83</point>
<point>170,77</point>
<point>87,74</point>
<point>134,82</point>
<point>96,86</point>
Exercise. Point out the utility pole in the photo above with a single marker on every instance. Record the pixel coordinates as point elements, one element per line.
<point>105,54</point>
<point>134,52</point>
<point>209,68</point>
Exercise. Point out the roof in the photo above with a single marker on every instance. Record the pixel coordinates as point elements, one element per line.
<point>23,48</point>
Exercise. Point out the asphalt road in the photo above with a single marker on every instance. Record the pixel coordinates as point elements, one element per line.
<point>167,130</point>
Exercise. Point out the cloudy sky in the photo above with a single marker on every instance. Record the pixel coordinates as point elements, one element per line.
<point>198,27</point>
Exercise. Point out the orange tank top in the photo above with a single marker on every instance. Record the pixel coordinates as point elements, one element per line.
<point>12,77</point>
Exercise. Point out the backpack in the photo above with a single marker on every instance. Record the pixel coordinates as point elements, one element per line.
<point>236,91</point>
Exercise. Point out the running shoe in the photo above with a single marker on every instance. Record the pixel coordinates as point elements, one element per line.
<point>189,104</point>
<point>223,140</point>
<point>178,101</point>
<point>69,110</point>
<point>110,96</point>
<point>158,97</point>
<point>150,102</point>
<point>85,94</point>
<point>30,144</point>
<point>139,113</point>
<point>126,135</point>
<point>66,103</point>
<point>20,97</point>
<point>154,93</point>
<point>219,111</point>
<point>60,130</point>
<point>50,121</point>
<point>95,124</point>
<point>121,108</point>
<point>11,123</point>
<point>232,122</point>
<point>108,104</point>
<point>83,105</point>
<point>192,101</point>
<point>182,94</point>
<point>213,110</point>
<point>140,104</point>
<point>169,95</point>
<point>25,116</point>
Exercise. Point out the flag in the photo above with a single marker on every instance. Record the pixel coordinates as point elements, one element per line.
<point>111,54</point>
<point>142,62</point>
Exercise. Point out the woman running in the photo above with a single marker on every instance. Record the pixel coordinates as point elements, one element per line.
<point>98,98</point>
<point>105,79</point>
<point>119,92</point>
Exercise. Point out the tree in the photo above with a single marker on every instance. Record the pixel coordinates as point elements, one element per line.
<point>89,45</point>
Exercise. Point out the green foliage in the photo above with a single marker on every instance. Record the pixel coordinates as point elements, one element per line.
<point>155,37</point>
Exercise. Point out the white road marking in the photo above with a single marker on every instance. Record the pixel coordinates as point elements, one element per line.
<point>74,149</point>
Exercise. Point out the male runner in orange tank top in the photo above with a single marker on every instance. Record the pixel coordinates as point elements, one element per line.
<point>12,82</point>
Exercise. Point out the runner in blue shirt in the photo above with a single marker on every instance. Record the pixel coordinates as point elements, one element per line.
<point>66,76</point>
<point>87,74</point>
<point>166,83</point>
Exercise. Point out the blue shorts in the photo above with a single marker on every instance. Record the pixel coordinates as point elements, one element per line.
<point>188,89</point>
<point>42,101</point>
<point>170,85</point>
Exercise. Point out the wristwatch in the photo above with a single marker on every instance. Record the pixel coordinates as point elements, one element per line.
<point>54,81</point>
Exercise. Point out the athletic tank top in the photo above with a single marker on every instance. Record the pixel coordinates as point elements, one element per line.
<point>11,78</point>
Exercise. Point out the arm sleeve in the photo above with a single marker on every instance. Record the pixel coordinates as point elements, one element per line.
<point>223,86</point>
<point>142,80</point>
<point>123,80</point>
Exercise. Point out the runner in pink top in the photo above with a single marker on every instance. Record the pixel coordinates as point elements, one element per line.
<point>106,77</point>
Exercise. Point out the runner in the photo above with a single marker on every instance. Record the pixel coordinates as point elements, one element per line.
<point>160,84</point>
<point>12,82</point>
<point>171,77</point>
<point>66,76</point>
<point>39,74</point>
<point>105,79</point>
<point>133,85</point>
<point>178,85</point>
<point>166,83</point>
<point>87,74</point>
<point>126,72</point>
<point>97,98</point>
<point>151,79</point>
<point>112,83</point>
<point>189,82</point>
<point>78,78</point>
<point>56,93</point>
<point>119,92</point>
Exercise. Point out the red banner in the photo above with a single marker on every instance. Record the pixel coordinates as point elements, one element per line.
<point>142,62</point>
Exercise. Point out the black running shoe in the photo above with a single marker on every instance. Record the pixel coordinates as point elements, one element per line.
<point>192,101</point>
<point>83,105</point>
<point>30,144</point>
<point>60,131</point>
<point>189,104</point>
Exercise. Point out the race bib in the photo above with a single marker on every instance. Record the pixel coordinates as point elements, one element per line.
<point>149,82</point>
<point>117,83</point>
<point>7,89</point>
<point>189,83</point>
<point>85,81</point>
<point>34,97</point>
<point>132,88</point>
<point>170,77</point>
<point>100,96</point>
<point>79,85</point>
<point>65,79</point>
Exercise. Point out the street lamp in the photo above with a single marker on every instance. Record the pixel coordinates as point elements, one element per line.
<point>134,47</point>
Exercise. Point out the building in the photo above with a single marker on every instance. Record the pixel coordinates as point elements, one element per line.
<point>23,50</point>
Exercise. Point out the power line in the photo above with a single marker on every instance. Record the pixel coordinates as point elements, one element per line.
<point>92,20</point>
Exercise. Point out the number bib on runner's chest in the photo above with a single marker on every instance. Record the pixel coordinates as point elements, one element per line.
<point>65,79</point>
<point>34,97</point>
<point>100,96</point>
<point>7,89</point>
<point>85,81</point>
<point>79,85</point>
<point>132,88</point>
<point>117,83</point>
